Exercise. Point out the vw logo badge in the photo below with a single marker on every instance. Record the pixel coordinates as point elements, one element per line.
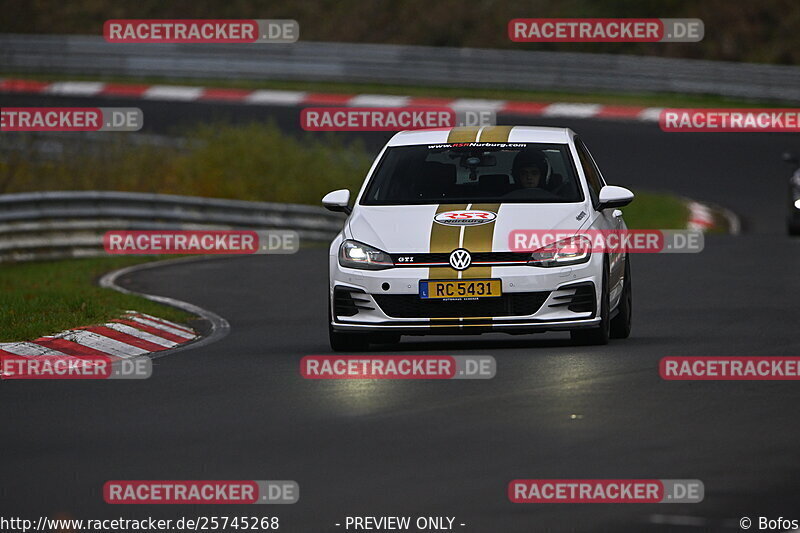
<point>460,259</point>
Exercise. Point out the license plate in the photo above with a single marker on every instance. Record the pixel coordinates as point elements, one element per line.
<point>460,289</point>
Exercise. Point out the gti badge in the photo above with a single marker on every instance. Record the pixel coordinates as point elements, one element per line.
<point>460,259</point>
<point>465,218</point>
<point>580,215</point>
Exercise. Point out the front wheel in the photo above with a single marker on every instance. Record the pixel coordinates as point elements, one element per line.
<point>621,324</point>
<point>597,335</point>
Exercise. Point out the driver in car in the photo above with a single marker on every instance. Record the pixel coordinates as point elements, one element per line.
<point>529,170</point>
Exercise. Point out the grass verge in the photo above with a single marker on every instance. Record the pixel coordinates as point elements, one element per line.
<point>43,298</point>
<point>656,211</point>
<point>255,161</point>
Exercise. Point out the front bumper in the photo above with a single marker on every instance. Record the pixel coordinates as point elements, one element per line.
<point>552,299</point>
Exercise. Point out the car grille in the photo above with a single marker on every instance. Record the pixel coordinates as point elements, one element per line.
<point>412,306</point>
<point>486,258</point>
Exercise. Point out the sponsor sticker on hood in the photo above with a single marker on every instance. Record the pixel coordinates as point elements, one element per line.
<point>466,217</point>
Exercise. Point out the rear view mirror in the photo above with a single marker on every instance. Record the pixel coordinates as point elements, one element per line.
<point>338,201</point>
<point>613,196</point>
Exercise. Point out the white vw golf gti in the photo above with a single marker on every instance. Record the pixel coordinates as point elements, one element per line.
<point>426,248</point>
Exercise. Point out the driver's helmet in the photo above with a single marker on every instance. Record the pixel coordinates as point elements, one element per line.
<point>526,159</point>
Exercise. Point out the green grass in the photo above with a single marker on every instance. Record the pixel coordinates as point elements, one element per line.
<point>633,99</point>
<point>255,162</point>
<point>656,211</point>
<point>47,297</point>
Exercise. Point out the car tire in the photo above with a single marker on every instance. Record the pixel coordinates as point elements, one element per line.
<point>621,323</point>
<point>600,334</point>
<point>346,342</point>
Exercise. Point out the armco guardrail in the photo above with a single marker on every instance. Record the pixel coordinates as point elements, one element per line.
<point>410,65</point>
<point>51,225</point>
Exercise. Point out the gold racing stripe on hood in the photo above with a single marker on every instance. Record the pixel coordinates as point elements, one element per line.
<point>495,134</point>
<point>444,239</point>
<point>479,238</point>
<point>463,135</point>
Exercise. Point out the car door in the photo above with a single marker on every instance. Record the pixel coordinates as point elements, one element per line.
<point>607,219</point>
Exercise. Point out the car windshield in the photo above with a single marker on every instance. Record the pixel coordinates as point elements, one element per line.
<point>474,172</point>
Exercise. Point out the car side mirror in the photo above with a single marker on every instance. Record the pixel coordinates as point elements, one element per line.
<point>338,201</point>
<point>613,196</point>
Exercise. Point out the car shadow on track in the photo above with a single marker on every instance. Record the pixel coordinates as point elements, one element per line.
<point>473,344</point>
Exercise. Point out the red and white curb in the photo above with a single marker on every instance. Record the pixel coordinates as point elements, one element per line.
<point>133,335</point>
<point>302,98</point>
<point>700,217</point>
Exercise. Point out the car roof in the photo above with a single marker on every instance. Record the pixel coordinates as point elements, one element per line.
<point>520,134</point>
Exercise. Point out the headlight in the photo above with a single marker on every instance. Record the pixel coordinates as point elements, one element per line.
<point>797,204</point>
<point>354,254</point>
<point>570,251</point>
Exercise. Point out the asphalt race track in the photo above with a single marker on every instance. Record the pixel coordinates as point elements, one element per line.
<point>238,409</point>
